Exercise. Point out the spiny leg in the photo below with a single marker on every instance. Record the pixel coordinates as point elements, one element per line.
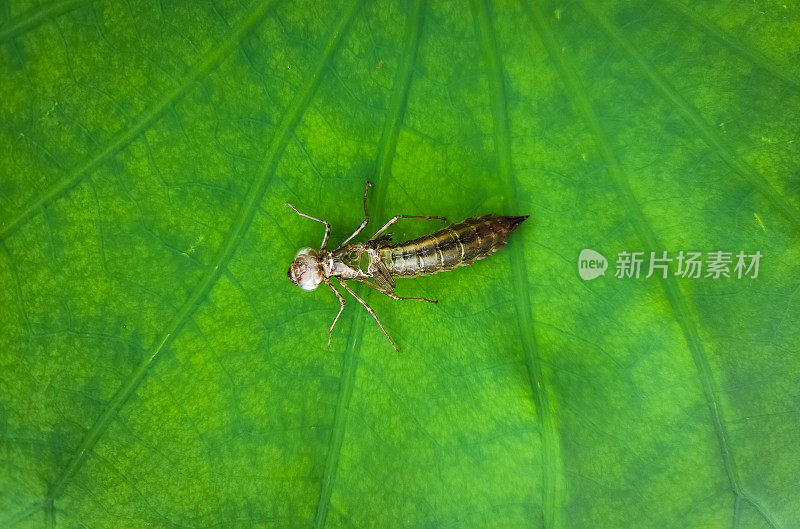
<point>398,298</point>
<point>341,308</point>
<point>395,296</point>
<point>398,217</point>
<point>369,309</point>
<point>366,218</point>
<point>327,226</point>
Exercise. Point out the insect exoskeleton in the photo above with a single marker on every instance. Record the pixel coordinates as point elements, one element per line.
<point>377,262</point>
<point>306,270</point>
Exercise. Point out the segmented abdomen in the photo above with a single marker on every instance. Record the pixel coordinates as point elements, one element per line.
<point>456,245</point>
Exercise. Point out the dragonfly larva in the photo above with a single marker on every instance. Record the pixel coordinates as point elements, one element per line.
<point>376,262</point>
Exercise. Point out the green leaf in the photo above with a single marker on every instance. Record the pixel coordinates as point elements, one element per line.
<point>159,370</point>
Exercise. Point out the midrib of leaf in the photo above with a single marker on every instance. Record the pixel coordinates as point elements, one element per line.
<point>551,500</point>
<point>754,56</point>
<point>124,137</point>
<point>33,17</point>
<point>238,228</point>
<point>563,62</point>
<point>693,116</point>
<point>386,152</point>
<point>391,130</point>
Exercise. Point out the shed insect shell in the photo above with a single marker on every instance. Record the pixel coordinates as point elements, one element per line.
<point>306,271</point>
<point>377,262</point>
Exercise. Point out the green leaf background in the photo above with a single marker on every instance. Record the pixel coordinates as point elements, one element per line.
<point>158,369</point>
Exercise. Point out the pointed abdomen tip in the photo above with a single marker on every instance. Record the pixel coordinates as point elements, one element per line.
<point>516,221</point>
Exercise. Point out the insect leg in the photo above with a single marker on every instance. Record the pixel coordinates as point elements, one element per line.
<point>398,217</point>
<point>327,226</point>
<point>366,218</point>
<point>369,309</point>
<point>398,298</point>
<point>341,308</point>
<point>395,296</point>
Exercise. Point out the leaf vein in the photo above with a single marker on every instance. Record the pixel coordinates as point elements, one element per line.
<point>683,314</point>
<point>519,275</point>
<point>234,236</point>
<point>386,151</point>
<point>754,56</point>
<point>693,117</point>
<point>35,16</point>
<point>123,138</point>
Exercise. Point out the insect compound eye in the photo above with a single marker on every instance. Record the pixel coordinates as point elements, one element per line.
<point>305,251</point>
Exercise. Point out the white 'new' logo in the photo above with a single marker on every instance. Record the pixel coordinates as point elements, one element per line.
<point>591,264</point>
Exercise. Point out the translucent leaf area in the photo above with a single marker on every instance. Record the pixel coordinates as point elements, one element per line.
<point>157,368</point>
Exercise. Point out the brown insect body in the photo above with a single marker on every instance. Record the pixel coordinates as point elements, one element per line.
<point>376,262</point>
<point>458,244</point>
